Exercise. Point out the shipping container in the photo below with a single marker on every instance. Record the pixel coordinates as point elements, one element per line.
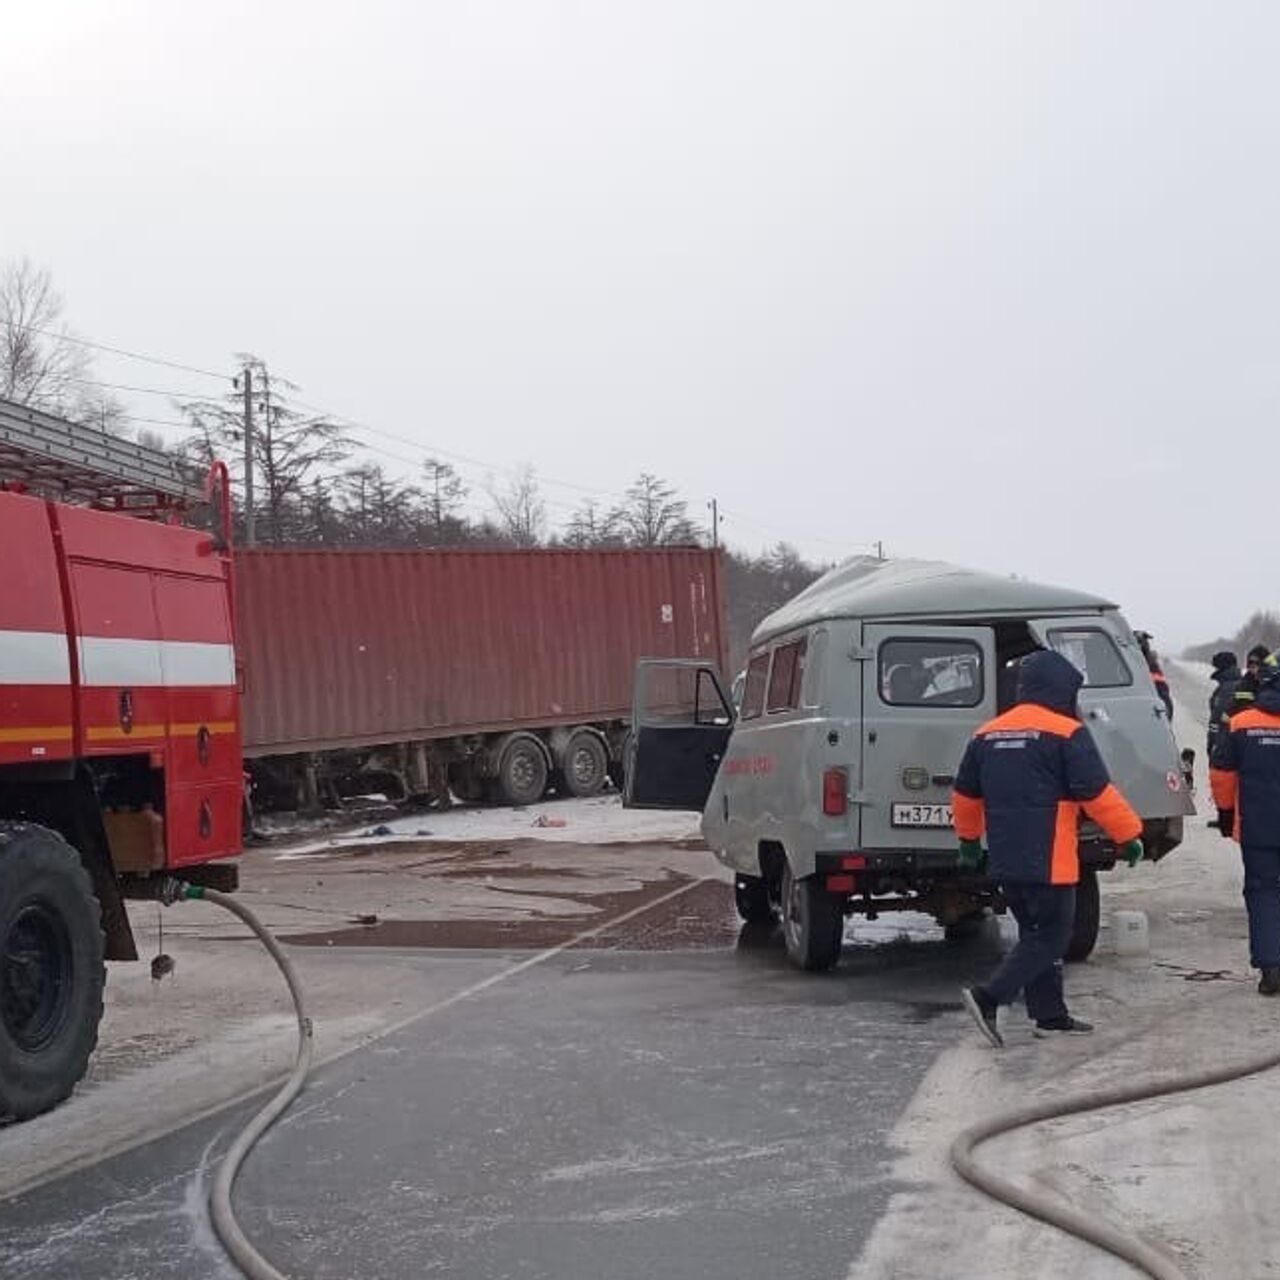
<point>427,668</point>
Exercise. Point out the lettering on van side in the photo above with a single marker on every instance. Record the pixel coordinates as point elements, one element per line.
<point>748,766</point>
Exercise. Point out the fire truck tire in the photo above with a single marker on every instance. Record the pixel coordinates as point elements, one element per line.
<point>812,922</point>
<point>522,770</point>
<point>1084,929</point>
<point>586,764</point>
<point>51,969</point>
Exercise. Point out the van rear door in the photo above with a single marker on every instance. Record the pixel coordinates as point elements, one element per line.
<point>925,689</point>
<point>1124,713</point>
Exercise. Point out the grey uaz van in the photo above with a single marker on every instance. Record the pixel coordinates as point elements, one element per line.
<point>827,791</point>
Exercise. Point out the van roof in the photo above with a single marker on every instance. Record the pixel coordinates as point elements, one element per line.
<point>864,587</point>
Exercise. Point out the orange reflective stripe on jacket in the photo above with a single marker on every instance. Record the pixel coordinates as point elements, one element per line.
<point>1225,785</point>
<point>969,814</point>
<point>1114,814</point>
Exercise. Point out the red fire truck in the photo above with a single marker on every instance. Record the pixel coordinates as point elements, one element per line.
<point>119,724</point>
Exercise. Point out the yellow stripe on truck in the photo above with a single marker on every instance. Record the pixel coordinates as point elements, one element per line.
<point>36,733</point>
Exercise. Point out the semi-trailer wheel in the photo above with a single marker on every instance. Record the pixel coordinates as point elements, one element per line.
<point>812,922</point>
<point>586,764</point>
<point>51,969</point>
<point>522,770</point>
<point>751,897</point>
<point>1088,918</point>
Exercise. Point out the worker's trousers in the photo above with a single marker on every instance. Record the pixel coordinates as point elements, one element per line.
<point>1262,901</point>
<point>1045,914</point>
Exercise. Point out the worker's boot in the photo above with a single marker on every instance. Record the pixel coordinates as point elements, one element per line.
<point>983,1011</point>
<point>1269,983</point>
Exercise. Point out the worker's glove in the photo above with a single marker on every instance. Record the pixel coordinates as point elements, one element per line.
<point>1227,822</point>
<point>971,855</point>
<point>1132,852</point>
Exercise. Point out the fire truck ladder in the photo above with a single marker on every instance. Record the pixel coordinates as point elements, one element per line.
<point>72,462</point>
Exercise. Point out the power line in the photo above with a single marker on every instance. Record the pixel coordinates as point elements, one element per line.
<point>118,351</point>
<point>146,391</point>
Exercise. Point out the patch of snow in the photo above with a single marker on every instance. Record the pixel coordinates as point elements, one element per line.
<point>599,820</point>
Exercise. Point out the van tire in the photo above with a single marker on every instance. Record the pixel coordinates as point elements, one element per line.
<point>812,922</point>
<point>751,897</point>
<point>50,998</point>
<point>1084,929</point>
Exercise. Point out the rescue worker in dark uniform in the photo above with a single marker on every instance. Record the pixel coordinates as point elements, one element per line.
<point>1024,779</point>
<point>1246,788</point>
<point>1158,677</point>
<point>1226,677</point>
<point>1247,690</point>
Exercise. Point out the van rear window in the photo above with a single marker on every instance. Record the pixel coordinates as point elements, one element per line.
<point>1094,654</point>
<point>930,673</point>
<point>757,679</point>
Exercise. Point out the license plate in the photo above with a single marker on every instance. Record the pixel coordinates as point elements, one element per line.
<point>937,816</point>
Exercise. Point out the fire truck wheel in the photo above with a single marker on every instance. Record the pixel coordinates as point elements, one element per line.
<point>586,764</point>
<point>522,771</point>
<point>51,969</point>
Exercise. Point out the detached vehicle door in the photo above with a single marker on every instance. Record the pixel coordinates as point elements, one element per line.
<point>925,689</point>
<point>1124,713</point>
<point>681,720</point>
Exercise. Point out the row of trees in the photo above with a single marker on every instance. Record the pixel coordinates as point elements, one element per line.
<point>1262,628</point>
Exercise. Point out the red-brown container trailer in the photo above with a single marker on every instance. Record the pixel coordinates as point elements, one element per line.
<point>491,671</point>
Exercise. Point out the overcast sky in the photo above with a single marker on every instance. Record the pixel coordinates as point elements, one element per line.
<point>994,283</point>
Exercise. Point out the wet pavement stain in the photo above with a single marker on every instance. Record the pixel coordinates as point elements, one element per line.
<point>701,919</point>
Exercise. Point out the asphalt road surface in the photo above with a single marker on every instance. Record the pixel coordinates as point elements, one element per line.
<point>622,1110</point>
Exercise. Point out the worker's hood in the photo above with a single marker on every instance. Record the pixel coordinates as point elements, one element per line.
<point>1226,675</point>
<point>1049,680</point>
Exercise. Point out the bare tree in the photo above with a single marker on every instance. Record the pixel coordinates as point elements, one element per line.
<point>378,510</point>
<point>521,511</point>
<point>39,364</point>
<point>443,496</point>
<point>652,515</point>
<point>291,449</point>
<point>590,526</point>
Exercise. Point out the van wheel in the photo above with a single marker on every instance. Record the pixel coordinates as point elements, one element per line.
<point>812,922</point>
<point>1084,929</point>
<point>751,896</point>
<point>51,969</point>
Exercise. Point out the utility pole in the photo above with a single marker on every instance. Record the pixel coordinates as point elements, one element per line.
<point>248,456</point>
<point>879,550</point>
<point>715,525</point>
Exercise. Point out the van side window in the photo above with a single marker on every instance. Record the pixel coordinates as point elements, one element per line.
<point>815,661</point>
<point>1094,654</point>
<point>757,679</point>
<point>788,675</point>
<point>930,673</point>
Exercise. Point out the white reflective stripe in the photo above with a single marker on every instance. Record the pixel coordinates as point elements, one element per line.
<point>192,662</point>
<point>155,663</point>
<point>34,657</point>
<point>122,662</point>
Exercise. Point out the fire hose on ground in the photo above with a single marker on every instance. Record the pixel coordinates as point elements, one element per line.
<point>1122,1244</point>
<point>228,1229</point>
<point>1125,1245</point>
